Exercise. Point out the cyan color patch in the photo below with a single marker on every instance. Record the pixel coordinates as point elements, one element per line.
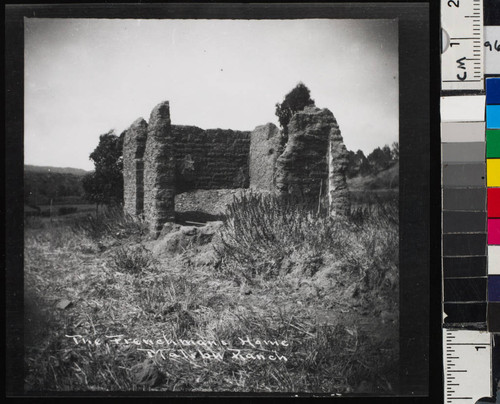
<point>493,116</point>
<point>492,90</point>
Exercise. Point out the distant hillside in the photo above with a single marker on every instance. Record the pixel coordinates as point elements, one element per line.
<point>62,185</point>
<point>58,170</point>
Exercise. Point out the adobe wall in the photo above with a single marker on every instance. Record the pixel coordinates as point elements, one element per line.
<point>265,147</point>
<point>161,160</point>
<point>210,159</point>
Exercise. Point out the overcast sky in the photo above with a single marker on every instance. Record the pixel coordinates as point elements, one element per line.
<point>84,77</point>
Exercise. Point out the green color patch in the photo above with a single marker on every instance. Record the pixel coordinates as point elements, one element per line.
<point>492,143</point>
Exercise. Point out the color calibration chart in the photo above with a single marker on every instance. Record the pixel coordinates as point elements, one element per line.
<point>470,184</point>
<point>493,200</point>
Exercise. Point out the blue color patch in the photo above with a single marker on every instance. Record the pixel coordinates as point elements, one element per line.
<point>494,288</point>
<point>493,90</point>
<point>493,116</point>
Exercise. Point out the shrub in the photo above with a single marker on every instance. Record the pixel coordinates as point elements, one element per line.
<point>262,230</point>
<point>104,185</point>
<point>376,228</point>
<point>266,236</point>
<point>112,222</point>
<point>132,260</point>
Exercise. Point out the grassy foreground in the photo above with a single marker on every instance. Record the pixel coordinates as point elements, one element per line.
<point>277,299</point>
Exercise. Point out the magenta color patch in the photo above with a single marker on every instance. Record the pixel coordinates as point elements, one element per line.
<point>493,231</point>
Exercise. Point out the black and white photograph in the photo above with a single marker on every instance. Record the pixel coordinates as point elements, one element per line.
<point>212,206</point>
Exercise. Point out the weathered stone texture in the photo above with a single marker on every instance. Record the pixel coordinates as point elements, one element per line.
<point>210,159</point>
<point>265,142</point>
<point>302,168</point>
<point>314,161</point>
<point>134,144</point>
<point>338,193</point>
<point>159,170</point>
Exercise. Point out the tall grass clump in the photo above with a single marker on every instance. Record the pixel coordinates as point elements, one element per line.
<point>266,236</point>
<point>262,230</point>
<point>376,258</point>
<point>133,260</point>
<point>112,223</point>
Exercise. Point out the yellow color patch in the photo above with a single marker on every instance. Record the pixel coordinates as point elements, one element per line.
<point>493,172</point>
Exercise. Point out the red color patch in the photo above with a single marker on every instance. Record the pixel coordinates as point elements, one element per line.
<point>493,202</point>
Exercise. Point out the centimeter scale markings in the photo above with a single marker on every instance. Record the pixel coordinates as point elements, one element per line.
<point>465,380</point>
<point>467,353</point>
<point>462,45</point>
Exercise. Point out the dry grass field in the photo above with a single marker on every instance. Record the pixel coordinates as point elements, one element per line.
<point>276,298</point>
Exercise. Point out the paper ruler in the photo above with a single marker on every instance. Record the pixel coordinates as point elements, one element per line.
<point>462,45</point>
<point>469,51</point>
<point>465,380</point>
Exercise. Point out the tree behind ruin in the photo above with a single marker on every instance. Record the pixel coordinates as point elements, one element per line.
<point>105,184</point>
<point>296,100</point>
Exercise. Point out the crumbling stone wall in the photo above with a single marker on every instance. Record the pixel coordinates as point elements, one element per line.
<point>314,161</point>
<point>161,160</point>
<point>265,147</point>
<point>302,168</point>
<point>134,144</point>
<point>210,159</point>
<point>159,170</point>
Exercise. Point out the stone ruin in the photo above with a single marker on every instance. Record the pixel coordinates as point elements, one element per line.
<point>161,160</point>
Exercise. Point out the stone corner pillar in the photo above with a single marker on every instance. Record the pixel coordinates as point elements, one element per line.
<point>338,193</point>
<point>159,170</point>
<point>134,144</point>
